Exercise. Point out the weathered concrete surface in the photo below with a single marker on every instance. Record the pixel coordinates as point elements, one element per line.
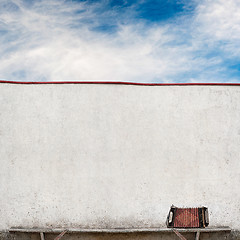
<point>117,156</point>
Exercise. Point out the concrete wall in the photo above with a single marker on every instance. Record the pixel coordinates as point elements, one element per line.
<point>117,156</point>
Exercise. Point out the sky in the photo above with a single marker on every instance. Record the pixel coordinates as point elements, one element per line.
<point>145,41</point>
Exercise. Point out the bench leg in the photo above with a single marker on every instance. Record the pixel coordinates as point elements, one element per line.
<point>60,235</point>
<point>197,235</point>
<point>179,234</point>
<point>42,236</point>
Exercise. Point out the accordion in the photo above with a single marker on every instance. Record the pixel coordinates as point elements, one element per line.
<point>188,217</point>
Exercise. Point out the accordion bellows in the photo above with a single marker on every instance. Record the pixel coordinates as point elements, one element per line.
<point>187,217</point>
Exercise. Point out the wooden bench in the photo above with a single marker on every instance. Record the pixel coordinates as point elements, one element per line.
<point>197,231</point>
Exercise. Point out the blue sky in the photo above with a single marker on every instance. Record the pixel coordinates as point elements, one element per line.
<point>137,40</point>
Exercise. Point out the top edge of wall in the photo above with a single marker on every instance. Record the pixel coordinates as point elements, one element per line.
<point>119,83</point>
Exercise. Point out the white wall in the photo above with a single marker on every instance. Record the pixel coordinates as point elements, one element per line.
<point>116,155</point>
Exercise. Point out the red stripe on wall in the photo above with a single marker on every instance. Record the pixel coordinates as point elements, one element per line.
<point>121,83</point>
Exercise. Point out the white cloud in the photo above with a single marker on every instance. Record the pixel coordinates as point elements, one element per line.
<point>220,18</point>
<point>49,41</point>
<point>218,22</point>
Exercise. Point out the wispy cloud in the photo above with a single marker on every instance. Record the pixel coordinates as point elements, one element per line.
<point>96,40</point>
